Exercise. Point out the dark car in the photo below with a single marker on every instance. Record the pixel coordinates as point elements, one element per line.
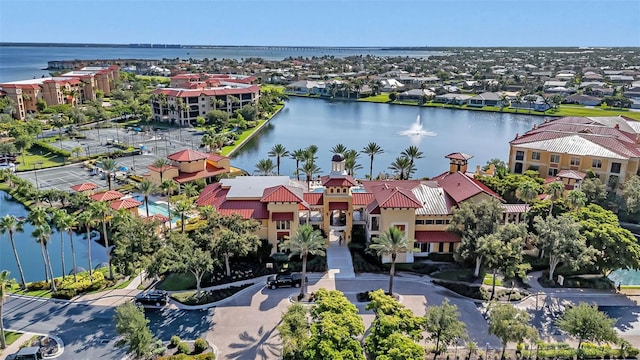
<point>279,280</point>
<point>152,297</point>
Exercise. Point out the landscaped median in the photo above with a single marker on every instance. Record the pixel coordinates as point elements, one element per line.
<point>213,295</point>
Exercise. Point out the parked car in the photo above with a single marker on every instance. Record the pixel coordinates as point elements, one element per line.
<point>152,297</point>
<point>27,353</point>
<point>279,280</point>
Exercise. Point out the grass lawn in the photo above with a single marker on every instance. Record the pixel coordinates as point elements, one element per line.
<point>177,282</point>
<point>245,134</point>
<point>382,98</point>
<point>452,275</point>
<point>270,87</point>
<point>11,337</point>
<point>630,287</point>
<point>488,280</point>
<point>158,79</point>
<point>37,155</point>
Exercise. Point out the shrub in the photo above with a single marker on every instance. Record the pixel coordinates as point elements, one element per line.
<point>66,294</point>
<point>37,285</point>
<point>468,290</point>
<point>183,348</point>
<point>443,257</point>
<point>363,296</point>
<point>52,149</point>
<point>200,346</point>
<point>175,341</point>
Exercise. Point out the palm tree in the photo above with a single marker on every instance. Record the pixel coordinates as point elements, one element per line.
<point>265,166</point>
<point>169,187</point>
<point>146,188</point>
<point>310,153</point>
<point>412,153</point>
<point>162,165</point>
<point>305,241</point>
<point>5,281</point>
<point>298,155</point>
<point>42,233</point>
<point>402,165</point>
<point>182,207</point>
<point>87,219</point>
<point>10,224</point>
<point>555,191</point>
<point>391,242</point>
<point>69,224</point>
<point>58,219</point>
<point>372,149</point>
<point>339,149</point>
<point>576,199</point>
<point>102,211</point>
<point>278,151</point>
<point>108,165</point>
<point>527,191</point>
<point>309,168</point>
<point>190,189</point>
<point>350,161</point>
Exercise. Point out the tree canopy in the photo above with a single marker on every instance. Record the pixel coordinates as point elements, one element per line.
<point>586,322</point>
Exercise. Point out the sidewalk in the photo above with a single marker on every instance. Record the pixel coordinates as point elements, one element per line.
<point>13,348</point>
<point>339,259</point>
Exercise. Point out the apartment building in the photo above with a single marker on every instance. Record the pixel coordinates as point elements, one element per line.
<point>608,146</point>
<point>191,95</point>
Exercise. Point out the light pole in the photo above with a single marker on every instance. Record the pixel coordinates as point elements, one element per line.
<point>35,174</point>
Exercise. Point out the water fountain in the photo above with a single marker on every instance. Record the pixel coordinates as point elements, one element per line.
<point>416,130</point>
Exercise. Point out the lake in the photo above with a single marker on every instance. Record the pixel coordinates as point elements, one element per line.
<point>29,249</point>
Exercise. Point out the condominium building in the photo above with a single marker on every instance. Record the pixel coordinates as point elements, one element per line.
<point>608,146</point>
<point>72,88</point>
<point>191,95</point>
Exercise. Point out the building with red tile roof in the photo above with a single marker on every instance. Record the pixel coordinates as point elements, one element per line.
<point>421,208</point>
<point>86,188</point>
<point>190,165</point>
<point>131,205</point>
<point>110,195</point>
<point>192,95</point>
<point>607,146</point>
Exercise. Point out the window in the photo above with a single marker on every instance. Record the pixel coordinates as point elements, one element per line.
<point>375,223</point>
<point>535,155</point>
<point>518,168</point>
<point>575,161</point>
<point>421,247</point>
<point>344,190</point>
<point>615,167</point>
<point>439,222</point>
<point>596,164</point>
<point>553,172</point>
<point>555,159</point>
<point>519,155</point>
<point>429,222</point>
<point>283,224</point>
<point>419,222</point>
<point>440,247</point>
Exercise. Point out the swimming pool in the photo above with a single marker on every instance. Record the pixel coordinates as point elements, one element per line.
<point>154,208</point>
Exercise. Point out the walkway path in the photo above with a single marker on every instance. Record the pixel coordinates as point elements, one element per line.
<point>339,259</point>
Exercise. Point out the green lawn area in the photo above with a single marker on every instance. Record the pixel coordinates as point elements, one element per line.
<point>270,87</point>
<point>177,282</point>
<point>382,98</point>
<point>158,79</point>
<point>38,155</point>
<point>488,280</point>
<point>630,287</point>
<point>452,275</point>
<point>11,337</point>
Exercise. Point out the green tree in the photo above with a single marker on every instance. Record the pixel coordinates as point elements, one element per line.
<point>560,239</point>
<point>135,242</point>
<point>101,210</point>
<point>444,326</point>
<point>230,235</point>
<point>162,165</point>
<point>510,325</point>
<point>298,155</point>
<point>23,143</point>
<point>11,225</point>
<point>351,162</point>
<point>527,191</point>
<point>402,166</point>
<point>372,149</point>
<point>412,153</point>
<point>554,190</point>
<point>278,151</point>
<point>180,209</point>
<point>42,234</point>
<point>169,187</point>
<point>59,220</point>
<point>585,322</point>
<point>309,168</point>
<point>133,327</point>
<point>576,200</point>
<point>265,166</point>
<point>146,188</point>
<point>595,191</point>
<point>472,221</point>
<point>294,332</point>
<point>5,282</point>
<point>339,149</point>
<point>190,190</point>
<point>108,166</point>
<point>391,243</point>
<point>306,240</point>
<point>631,193</point>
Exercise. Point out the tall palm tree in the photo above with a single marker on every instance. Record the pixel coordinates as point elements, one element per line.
<point>58,219</point>
<point>309,168</point>
<point>576,199</point>
<point>412,153</point>
<point>102,211</point>
<point>69,224</point>
<point>146,188</point>
<point>88,219</point>
<point>10,224</point>
<point>278,151</point>
<point>305,241</point>
<point>162,165</point>
<point>402,165</point>
<point>527,191</point>
<point>265,166</point>
<point>298,155</point>
<point>339,149</point>
<point>108,166</point>
<point>555,191</point>
<point>350,161</point>
<point>42,234</point>
<point>169,187</point>
<point>372,149</point>
<point>180,209</point>
<point>310,153</point>
<point>5,281</point>
<point>391,242</point>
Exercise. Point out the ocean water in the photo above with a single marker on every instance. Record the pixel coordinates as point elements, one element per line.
<point>25,62</point>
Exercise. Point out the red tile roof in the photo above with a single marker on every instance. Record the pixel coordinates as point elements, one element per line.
<point>436,237</point>
<point>314,198</point>
<point>248,209</point>
<point>107,196</point>
<point>572,174</point>
<point>461,187</point>
<point>280,193</point>
<point>345,181</point>
<point>210,193</point>
<point>187,155</point>
<point>84,187</point>
<point>360,198</point>
<point>125,204</point>
<point>164,168</point>
<point>459,156</point>
<point>215,157</point>
<point>389,195</point>
<point>208,172</point>
<point>183,93</point>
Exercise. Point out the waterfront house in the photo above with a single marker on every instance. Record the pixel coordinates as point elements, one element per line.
<point>485,99</point>
<point>457,99</point>
<point>582,100</point>
<point>415,95</point>
<point>608,146</point>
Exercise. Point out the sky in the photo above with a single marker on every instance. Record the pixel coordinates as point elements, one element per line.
<point>478,23</point>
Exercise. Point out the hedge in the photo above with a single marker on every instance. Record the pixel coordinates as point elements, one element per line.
<point>52,149</point>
